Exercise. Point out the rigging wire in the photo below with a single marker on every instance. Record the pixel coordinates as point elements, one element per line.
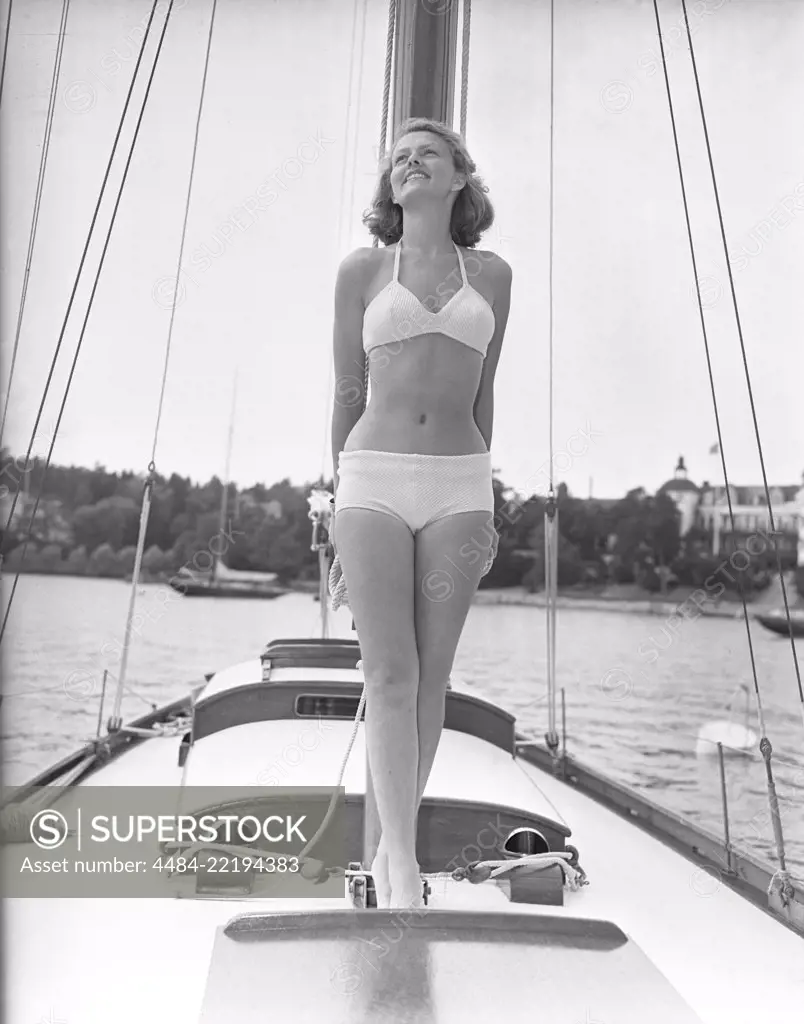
<point>716,408</point>
<point>40,181</point>
<point>386,106</point>
<point>146,505</point>
<point>551,533</point>
<point>5,50</point>
<point>551,243</point>
<point>384,117</point>
<point>339,230</point>
<point>91,297</point>
<point>354,160</point>
<point>358,104</point>
<point>467,20</point>
<point>183,230</point>
<point>738,322</point>
<point>721,445</point>
<point>83,257</point>
<point>386,87</point>
<point>764,745</point>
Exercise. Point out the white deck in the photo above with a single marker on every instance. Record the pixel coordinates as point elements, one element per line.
<point>249,672</point>
<point>89,961</point>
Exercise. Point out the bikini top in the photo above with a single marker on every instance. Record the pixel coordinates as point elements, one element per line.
<point>395,314</point>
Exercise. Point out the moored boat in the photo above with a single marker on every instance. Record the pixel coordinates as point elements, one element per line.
<point>225,582</point>
<point>777,621</point>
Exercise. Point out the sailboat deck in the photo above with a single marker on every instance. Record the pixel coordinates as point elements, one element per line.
<point>692,929</point>
<point>695,939</point>
<point>440,966</point>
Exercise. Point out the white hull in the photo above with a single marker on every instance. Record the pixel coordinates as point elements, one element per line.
<point>92,960</point>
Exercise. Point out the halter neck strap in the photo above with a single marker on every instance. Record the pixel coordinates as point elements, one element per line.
<point>463,268</point>
<point>398,253</point>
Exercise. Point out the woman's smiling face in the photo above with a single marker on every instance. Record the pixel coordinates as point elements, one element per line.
<point>421,163</point>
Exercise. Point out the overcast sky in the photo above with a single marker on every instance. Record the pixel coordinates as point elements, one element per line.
<point>285,166</point>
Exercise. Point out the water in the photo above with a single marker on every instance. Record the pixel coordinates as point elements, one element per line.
<point>637,722</point>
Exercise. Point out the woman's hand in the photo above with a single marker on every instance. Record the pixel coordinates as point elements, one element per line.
<point>331,530</point>
<point>495,542</point>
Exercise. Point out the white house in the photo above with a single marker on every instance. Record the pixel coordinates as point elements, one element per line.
<point>708,506</point>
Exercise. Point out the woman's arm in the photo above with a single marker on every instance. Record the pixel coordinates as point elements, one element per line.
<point>350,359</point>
<point>484,400</point>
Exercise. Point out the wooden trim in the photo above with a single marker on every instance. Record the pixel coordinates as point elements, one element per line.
<point>446,925</point>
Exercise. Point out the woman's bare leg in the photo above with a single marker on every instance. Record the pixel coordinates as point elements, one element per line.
<point>446,582</point>
<point>377,554</point>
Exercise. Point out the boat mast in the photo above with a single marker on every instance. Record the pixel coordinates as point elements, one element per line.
<point>425,51</point>
<point>225,494</point>
<point>423,85</point>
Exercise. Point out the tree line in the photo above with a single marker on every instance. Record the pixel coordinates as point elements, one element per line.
<point>88,523</point>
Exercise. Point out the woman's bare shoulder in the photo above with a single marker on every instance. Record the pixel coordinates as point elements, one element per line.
<point>499,268</point>
<point>360,263</point>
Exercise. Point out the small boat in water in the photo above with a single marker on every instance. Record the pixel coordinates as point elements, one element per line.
<point>225,582</point>
<point>776,621</point>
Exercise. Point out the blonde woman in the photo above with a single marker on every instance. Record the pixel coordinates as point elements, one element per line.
<point>413,476</point>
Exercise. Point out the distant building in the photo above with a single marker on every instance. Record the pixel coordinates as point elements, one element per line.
<point>708,507</point>
<point>685,494</point>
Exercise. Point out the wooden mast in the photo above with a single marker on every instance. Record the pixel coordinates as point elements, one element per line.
<point>423,85</point>
<point>424,60</point>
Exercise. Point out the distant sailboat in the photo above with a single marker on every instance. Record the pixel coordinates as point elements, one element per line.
<point>220,580</point>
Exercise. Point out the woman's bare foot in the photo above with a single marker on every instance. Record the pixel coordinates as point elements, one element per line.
<point>406,886</point>
<point>379,872</point>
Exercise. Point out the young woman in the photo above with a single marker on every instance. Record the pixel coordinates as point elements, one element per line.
<point>413,493</point>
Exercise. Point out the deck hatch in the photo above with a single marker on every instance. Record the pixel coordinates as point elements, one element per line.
<point>269,701</point>
<point>436,966</point>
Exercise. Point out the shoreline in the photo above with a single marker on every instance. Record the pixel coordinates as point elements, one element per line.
<point>649,606</point>
<point>521,597</point>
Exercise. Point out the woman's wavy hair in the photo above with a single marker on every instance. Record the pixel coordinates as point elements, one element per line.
<point>472,212</point>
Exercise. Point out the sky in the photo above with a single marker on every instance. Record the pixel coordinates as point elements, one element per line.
<point>286,163</point>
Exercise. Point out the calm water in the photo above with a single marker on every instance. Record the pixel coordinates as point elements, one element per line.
<point>636,721</point>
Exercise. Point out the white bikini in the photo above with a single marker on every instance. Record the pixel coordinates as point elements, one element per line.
<point>395,314</point>
<point>414,488</point>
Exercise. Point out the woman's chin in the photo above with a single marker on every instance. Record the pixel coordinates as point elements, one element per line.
<point>417,193</point>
